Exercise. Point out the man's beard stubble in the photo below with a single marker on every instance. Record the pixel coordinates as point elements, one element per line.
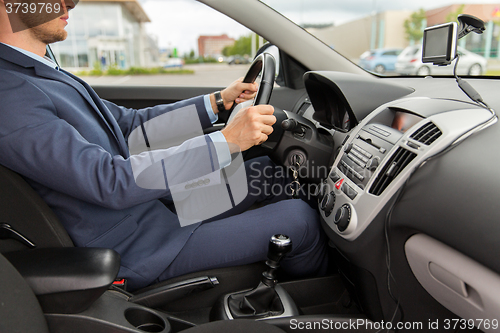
<point>40,28</point>
<point>48,37</point>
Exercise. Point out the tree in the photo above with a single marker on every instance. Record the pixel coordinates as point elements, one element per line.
<point>241,47</point>
<point>413,25</point>
<point>452,16</point>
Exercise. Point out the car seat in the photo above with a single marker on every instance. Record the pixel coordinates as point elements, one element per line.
<point>26,221</point>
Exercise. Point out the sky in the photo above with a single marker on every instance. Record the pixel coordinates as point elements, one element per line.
<point>179,23</point>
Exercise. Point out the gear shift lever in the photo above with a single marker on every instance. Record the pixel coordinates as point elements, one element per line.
<point>267,299</point>
<point>263,301</point>
<point>279,247</point>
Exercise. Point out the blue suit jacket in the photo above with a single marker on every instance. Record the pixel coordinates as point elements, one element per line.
<point>72,148</point>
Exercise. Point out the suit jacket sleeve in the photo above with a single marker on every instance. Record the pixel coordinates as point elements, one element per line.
<point>40,145</point>
<point>130,119</point>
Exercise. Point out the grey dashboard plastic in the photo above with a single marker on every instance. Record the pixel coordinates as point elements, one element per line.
<point>462,285</point>
<point>360,95</point>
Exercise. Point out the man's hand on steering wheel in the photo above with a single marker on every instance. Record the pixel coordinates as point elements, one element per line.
<point>237,92</point>
<point>250,126</point>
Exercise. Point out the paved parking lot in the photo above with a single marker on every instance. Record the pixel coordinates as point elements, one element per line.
<point>204,75</point>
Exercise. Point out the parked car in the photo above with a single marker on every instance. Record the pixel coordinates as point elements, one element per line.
<point>379,60</point>
<point>174,63</point>
<point>238,60</point>
<point>409,62</point>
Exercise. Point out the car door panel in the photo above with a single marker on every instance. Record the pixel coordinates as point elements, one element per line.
<point>143,96</point>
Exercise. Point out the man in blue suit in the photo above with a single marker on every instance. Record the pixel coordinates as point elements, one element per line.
<point>83,155</point>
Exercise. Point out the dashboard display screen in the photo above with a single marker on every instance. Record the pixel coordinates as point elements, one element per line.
<point>403,121</point>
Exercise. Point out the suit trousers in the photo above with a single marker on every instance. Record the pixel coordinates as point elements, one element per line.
<point>241,236</point>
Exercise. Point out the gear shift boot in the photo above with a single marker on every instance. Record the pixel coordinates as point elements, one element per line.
<point>282,306</point>
<point>267,300</point>
<point>260,302</point>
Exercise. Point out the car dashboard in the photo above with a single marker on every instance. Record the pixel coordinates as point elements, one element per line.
<point>381,147</point>
<point>387,199</point>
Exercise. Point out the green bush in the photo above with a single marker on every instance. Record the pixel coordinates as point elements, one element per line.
<point>200,60</point>
<point>113,70</point>
<point>140,71</point>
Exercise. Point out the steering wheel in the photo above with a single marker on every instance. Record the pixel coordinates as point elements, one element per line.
<point>266,64</point>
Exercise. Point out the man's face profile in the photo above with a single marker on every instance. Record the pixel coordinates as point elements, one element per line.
<point>46,19</point>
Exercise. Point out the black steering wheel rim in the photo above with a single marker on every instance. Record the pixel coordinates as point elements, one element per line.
<point>266,64</point>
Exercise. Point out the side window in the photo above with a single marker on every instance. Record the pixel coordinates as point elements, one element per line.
<point>391,53</point>
<point>156,42</point>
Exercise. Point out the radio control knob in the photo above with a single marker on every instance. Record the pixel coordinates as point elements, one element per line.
<point>348,148</point>
<point>328,203</point>
<point>343,217</point>
<point>373,163</point>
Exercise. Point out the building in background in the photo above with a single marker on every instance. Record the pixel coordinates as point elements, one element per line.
<point>385,30</point>
<point>382,30</point>
<point>212,46</point>
<point>109,33</point>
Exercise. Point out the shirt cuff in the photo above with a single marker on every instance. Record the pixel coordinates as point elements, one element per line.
<point>208,105</point>
<point>222,148</point>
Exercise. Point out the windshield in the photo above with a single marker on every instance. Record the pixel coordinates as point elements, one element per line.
<point>183,42</point>
<point>363,30</point>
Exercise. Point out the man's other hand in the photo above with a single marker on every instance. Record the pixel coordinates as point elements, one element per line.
<point>250,126</point>
<point>238,92</point>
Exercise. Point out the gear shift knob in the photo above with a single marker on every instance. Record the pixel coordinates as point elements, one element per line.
<point>279,246</point>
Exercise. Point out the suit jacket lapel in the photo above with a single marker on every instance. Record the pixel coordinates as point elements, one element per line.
<point>82,87</point>
<point>102,110</point>
<point>49,73</point>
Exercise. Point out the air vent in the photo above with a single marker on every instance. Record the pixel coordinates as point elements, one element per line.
<point>391,170</point>
<point>427,134</point>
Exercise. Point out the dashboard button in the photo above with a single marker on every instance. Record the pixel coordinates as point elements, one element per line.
<point>349,191</point>
<point>362,151</point>
<point>334,177</point>
<point>412,145</point>
<point>356,160</point>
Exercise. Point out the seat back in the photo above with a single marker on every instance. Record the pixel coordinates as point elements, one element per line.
<point>26,213</point>
<point>19,308</point>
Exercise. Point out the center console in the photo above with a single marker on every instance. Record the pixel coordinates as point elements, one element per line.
<point>381,153</point>
<point>72,287</point>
